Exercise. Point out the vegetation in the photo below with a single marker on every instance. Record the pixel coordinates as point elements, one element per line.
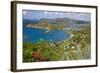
<point>46,25</point>
<point>75,48</point>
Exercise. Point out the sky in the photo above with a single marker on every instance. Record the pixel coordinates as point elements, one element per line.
<point>34,14</point>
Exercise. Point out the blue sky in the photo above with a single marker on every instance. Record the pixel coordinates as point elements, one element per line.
<point>34,14</point>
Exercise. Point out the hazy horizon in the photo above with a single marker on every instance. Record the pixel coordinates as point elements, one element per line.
<point>34,14</point>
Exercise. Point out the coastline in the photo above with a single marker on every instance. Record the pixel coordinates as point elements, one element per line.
<point>29,25</point>
<point>47,30</point>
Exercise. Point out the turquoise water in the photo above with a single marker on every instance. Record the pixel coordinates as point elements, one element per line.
<point>34,35</point>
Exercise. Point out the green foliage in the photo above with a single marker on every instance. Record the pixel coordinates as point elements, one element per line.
<point>76,48</point>
<point>27,50</point>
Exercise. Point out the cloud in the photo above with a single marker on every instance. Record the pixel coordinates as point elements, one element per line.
<point>34,14</point>
<point>24,12</point>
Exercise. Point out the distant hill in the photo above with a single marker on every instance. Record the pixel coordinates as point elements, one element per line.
<point>52,24</point>
<point>55,21</point>
<point>64,20</point>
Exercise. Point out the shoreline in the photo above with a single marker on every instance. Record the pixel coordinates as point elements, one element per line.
<point>71,35</point>
<point>29,26</point>
<point>66,32</point>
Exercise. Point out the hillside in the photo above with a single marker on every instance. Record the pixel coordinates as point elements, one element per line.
<point>57,23</point>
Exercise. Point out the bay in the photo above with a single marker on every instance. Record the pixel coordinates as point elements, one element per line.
<point>35,34</point>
